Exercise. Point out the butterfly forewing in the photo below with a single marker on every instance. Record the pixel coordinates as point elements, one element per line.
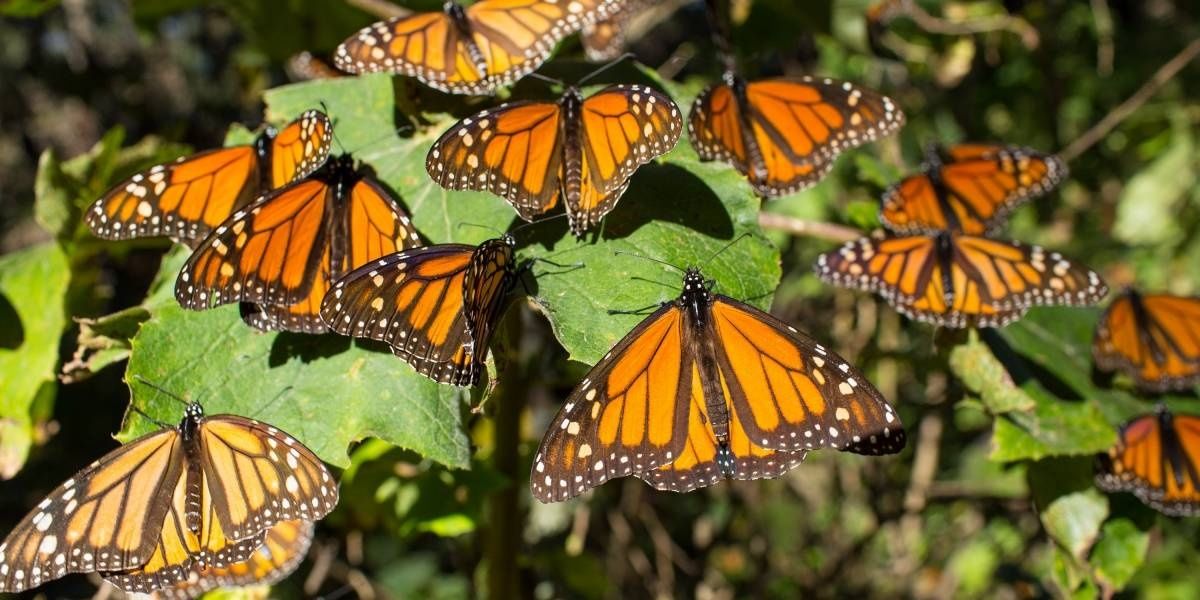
<point>507,40</point>
<point>1154,338</point>
<point>88,523</point>
<point>791,393</point>
<point>1156,459</point>
<point>301,148</point>
<point>282,549</point>
<point>513,151</point>
<point>979,185</point>
<point>991,283</point>
<point>629,414</point>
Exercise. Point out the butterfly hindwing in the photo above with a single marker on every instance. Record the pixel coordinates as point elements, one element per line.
<point>955,280</point>
<point>282,549</point>
<point>1155,338</point>
<point>300,148</point>
<point>972,190</point>
<point>1156,458</point>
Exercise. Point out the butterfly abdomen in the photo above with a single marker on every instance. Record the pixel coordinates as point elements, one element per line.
<point>458,16</point>
<point>572,166</point>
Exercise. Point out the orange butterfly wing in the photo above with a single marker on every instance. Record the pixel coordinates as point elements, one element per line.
<point>87,524</point>
<point>282,549</point>
<point>435,305</point>
<point>604,39</point>
<point>301,148</point>
<point>513,151</point>
<point>1155,338</point>
<point>1156,458</point>
<point>506,40</point>
<point>958,280</point>
<point>784,134</point>
<point>622,128</point>
<point>188,198</point>
<point>973,192</point>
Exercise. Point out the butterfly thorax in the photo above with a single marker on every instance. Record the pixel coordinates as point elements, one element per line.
<point>193,417</point>
<point>699,337</point>
<point>458,16</point>
<point>756,165</point>
<point>189,430</point>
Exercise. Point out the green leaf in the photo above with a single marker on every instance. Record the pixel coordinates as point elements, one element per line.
<point>26,8</point>
<point>33,283</point>
<point>677,210</point>
<point>982,374</point>
<point>1148,209</point>
<point>1073,520</point>
<point>1119,553</point>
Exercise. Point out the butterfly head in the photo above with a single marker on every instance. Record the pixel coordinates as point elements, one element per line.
<point>695,288</point>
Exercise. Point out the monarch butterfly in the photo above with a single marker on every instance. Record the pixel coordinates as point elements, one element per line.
<point>709,388</point>
<point>472,50</point>
<point>1156,458</point>
<point>144,514</point>
<point>435,305</point>
<point>282,251</point>
<point>954,280</point>
<point>1155,338</point>
<point>784,134</point>
<point>583,151</point>
<point>188,198</point>
<point>283,547</point>
<point>604,39</point>
<point>970,189</point>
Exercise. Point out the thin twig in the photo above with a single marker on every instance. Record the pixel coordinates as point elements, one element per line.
<point>380,8</point>
<point>817,229</point>
<point>932,24</point>
<point>1160,78</point>
<point>1105,48</point>
<point>925,461</point>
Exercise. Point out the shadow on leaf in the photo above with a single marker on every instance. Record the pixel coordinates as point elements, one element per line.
<point>306,347</point>
<point>12,333</point>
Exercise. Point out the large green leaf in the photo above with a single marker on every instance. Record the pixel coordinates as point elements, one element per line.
<point>1119,553</point>
<point>358,390</point>
<point>1074,520</point>
<point>33,283</point>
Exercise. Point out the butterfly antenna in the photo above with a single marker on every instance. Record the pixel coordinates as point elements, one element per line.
<point>612,63</point>
<point>146,416</point>
<point>661,262</point>
<point>160,389</point>
<point>487,227</point>
<point>545,79</point>
<point>724,248</point>
<point>718,21</point>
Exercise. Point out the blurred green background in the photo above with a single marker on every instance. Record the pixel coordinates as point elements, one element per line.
<point>993,498</point>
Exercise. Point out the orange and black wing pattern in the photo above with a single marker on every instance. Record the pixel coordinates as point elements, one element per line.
<point>784,134</point>
<point>659,407</point>
<point>513,151</point>
<point>472,50</point>
<point>1156,459</point>
<point>971,190</point>
<point>190,197</point>
<point>1154,338</point>
<point>282,550</point>
<point>622,127</point>
<point>957,281</point>
<point>435,306</point>
<point>105,518</point>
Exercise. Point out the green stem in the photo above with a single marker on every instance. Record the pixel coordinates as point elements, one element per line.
<point>502,542</point>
